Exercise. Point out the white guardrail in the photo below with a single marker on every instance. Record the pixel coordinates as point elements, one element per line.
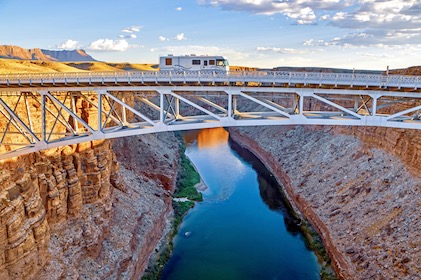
<point>317,78</point>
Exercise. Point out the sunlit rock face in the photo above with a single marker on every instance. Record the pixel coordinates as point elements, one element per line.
<point>363,200</point>
<point>43,191</point>
<point>73,212</point>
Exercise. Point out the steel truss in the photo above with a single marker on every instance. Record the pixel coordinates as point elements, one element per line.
<point>33,119</point>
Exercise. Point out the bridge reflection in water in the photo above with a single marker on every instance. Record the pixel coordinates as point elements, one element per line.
<point>211,138</point>
<point>41,111</point>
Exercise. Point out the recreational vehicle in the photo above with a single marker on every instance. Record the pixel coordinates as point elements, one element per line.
<point>193,63</point>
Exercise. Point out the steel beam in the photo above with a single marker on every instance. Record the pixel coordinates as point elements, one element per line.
<point>175,98</point>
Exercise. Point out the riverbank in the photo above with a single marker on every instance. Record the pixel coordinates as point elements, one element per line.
<point>361,200</point>
<point>293,219</point>
<point>184,197</point>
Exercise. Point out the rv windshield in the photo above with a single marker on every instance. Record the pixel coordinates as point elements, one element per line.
<point>222,62</point>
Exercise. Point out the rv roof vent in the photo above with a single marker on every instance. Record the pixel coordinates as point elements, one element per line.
<point>192,55</point>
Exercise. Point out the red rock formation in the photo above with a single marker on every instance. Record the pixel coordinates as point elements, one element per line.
<point>41,191</point>
<point>69,213</point>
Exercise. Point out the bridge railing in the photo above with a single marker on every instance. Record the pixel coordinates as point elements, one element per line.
<point>233,76</point>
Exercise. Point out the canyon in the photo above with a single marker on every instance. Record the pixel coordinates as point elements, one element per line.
<point>94,210</point>
<point>76,213</point>
<point>98,210</point>
<point>357,188</point>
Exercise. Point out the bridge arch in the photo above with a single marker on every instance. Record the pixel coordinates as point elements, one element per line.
<point>49,110</point>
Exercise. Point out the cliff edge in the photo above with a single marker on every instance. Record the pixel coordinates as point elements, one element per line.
<point>361,199</point>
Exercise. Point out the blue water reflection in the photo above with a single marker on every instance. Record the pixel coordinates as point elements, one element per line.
<point>234,233</point>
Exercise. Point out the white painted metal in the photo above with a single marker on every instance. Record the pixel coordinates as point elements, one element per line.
<point>219,99</point>
<point>258,77</point>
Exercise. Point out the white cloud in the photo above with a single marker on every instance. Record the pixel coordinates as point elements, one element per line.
<point>301,11</point>
<point>68,45</point>
<point>132,29</point>
<point>180,37</point>
<point>135,46</point>
<point>386,21</point>
<point>179,9</point>
<point>351,39</point>
<point>324,17</point>
<point>387,14</point>
<point>129,36</point>
<point>303,16</point>
<point>282,50</point>
<point>371,37</point>
<point>376,56</point>
<point>108,45</point>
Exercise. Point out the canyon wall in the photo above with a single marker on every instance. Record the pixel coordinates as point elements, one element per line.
<point>42,191</point>
<point>403,143</point>
<point>73,213</point>
<point>362,200</point>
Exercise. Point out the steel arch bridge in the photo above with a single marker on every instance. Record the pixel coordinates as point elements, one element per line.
<point>41,111</point>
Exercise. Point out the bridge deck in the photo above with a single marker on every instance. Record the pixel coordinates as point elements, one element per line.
<point>192,78</point>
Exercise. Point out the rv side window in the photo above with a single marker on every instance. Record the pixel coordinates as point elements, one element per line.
<point>168,61</point>
<point>205,63</point>
<point>196,62</point>
<point>211,62</point>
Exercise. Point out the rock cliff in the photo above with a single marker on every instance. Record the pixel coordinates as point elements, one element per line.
<point>71,213</point>
<point>44,192</point>
<point>361,199</point>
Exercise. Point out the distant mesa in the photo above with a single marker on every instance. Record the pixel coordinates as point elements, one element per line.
<point>15,52</point>
<point>65,56</point>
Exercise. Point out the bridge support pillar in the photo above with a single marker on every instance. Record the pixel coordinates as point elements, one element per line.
<point>374,105</point>
<point>177,108</point>
<point>99,117</point>
<point>301,104</point>
<point>234,105</point>
<point>43,94</point>
<point>161,107</point>
<point>229,113</point>
<point>123,112</point>
<point>73,108</point>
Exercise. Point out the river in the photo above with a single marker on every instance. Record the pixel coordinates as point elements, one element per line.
<point>242,229</point>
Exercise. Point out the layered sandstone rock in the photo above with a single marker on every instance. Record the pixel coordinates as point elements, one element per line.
<point>69,213</point>
<point>42,191</point>
<point>362,200</point>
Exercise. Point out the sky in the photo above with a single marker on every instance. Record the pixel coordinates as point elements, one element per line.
<point>360,34</point>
